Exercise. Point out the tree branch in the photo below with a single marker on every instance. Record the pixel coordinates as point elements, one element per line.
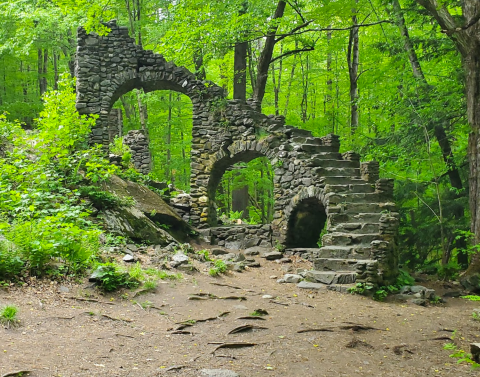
<point>293,31</point>
<point>337,29</point>
<point>295,8</point>
<point>291,52</point>
<point>472,22</point>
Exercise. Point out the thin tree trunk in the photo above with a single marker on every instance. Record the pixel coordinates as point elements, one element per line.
<point>292,75</point>
<point>126,107</point>
<point>353,62</point>
<point>328,107</point>
<point>266,56</point>
<point>200,73</point>
<point>168,140</point>
<point>55,68</point>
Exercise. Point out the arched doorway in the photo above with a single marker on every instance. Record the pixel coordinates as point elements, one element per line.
<point>306,224</point>
<point>227,166</point>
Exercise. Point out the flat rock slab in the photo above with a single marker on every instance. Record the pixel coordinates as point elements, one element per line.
<point>308,285</point>
<point>331,277</point>
<point>257,250</point>
<point>218,373</point>
<point>272,255</point>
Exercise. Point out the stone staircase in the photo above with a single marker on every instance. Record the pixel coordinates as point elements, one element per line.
<point>360,226</point>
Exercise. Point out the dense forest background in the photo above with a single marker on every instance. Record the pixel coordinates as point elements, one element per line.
<point>379,73</point>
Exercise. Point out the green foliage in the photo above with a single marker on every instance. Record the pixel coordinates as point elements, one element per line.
<point>99,198</point>
<point>41,241</point>
<point>11,264</point>
<point>476,316</point>
<point>8,316</point>
<point>471,297</point>
<point>404,278</point>
<point>361,289</point>
<point>258,176</point>
<point>204,254</point>
<point>461,355</point>
<point>219,268</point>
<point>112,277</point>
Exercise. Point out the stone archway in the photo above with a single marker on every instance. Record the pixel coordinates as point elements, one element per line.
<point>227,131</point>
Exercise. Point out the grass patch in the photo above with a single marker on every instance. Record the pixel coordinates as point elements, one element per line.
<point>8,316</point>
<point>219,268</point>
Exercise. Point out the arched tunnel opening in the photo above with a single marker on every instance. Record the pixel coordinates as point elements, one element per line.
<point>306,224</point>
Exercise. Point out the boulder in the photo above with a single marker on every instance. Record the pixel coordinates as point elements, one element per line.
<point>151,206</point>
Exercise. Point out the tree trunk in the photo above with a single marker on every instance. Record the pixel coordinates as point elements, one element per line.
<point>266,56</point>
<point>353,62</point>
<point>292,75</point>
<point>328,104</point>
<point>168,140</point>
<point>200,73</point>
<point>472,70</point>
<point>240,71</point>
<point>55,68</point>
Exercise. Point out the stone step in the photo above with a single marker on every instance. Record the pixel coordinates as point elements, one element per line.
<point>357,228</point>
<point>315,148</point>
<point>347,239</point>
<point>342,288</point>
<point>341,180</point>
<point>331,163</point>
<point>355,197</point>
<point>354,188</point>
<point>337,264</point>
<point>336,172</point>
<point>355,208</point>
<point>338,218</point>
<point>344,252</point>
<point>330,277</point>
<point>327,156</point>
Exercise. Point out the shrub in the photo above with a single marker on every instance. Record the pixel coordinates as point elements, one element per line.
<point>219,268</point>
<point>11,264</point>
<point>8,316</point>
<point>111,277</point>
<point>40,241</point>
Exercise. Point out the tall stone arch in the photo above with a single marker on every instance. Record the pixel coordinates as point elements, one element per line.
<point>361,218</point>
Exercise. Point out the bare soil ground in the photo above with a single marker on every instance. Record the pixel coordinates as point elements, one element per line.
<point>113,335</point>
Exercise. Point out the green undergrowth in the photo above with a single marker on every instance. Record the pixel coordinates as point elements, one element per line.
<point>111,277</point>
<point>50,190</point>
<point>8,316</point>
<point>219,267</point>
<point>382,292</point>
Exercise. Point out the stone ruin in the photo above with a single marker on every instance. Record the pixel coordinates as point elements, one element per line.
<point>314,185</point>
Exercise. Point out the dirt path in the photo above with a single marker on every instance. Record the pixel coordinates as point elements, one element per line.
<point>62,336</point>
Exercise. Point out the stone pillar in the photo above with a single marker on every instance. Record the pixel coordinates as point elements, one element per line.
<point>138,144</point>
<point>370,171</point>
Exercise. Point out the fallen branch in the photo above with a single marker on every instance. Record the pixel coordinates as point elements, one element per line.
<point>245,328</point>
<point>279,303</point>
<point>116,319</point>
<point>90,300</point>
<point>323,329</point>
<point>232,345</point>
<point>191,322</point>
<point>17,373</point>
<point>226,285</point>
<point>253,317</point>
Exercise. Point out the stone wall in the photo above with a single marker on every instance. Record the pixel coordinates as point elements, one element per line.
<point>307,169</point>
<point>240,236</point>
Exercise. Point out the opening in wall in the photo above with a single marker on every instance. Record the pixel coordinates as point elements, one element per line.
<point>306,224</point>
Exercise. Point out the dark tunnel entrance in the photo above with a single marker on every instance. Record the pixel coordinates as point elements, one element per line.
<point>306,224</point>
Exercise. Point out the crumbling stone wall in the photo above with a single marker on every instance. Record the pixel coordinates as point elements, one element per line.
<point>225,132</point>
